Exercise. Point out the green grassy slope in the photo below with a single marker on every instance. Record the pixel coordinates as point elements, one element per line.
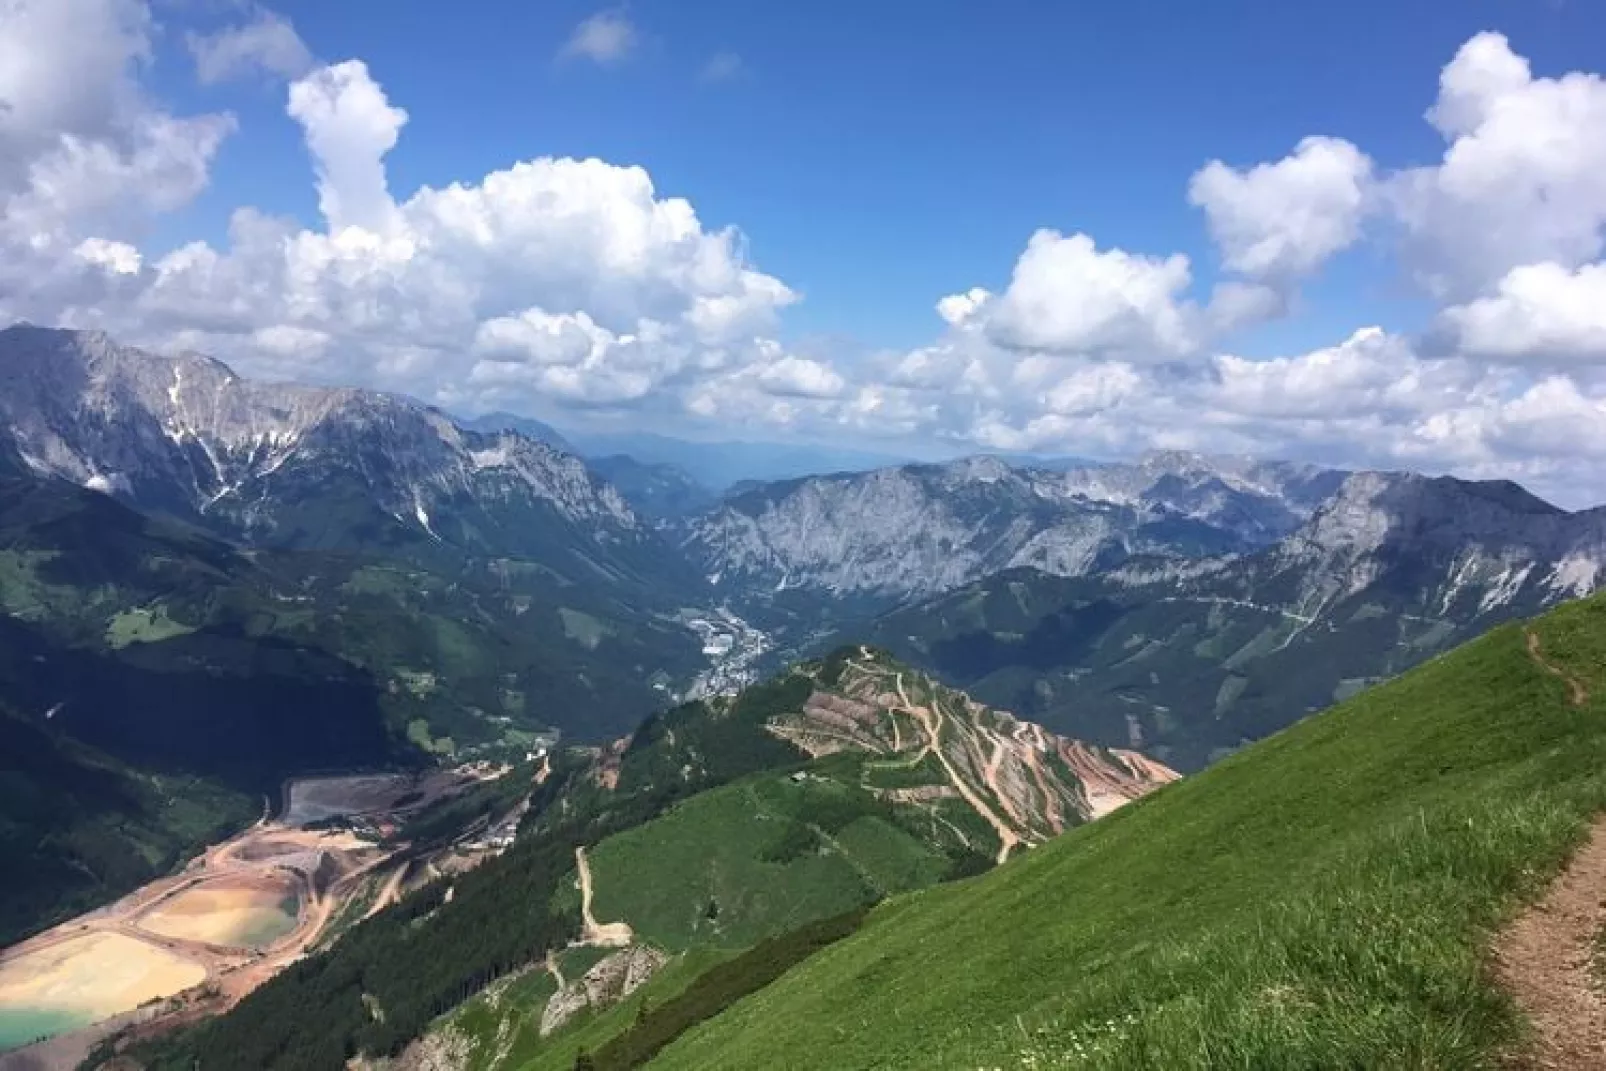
<point>1323,899</point>
<point>759,858</point>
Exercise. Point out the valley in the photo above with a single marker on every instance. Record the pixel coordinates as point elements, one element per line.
<point>733,648</point>
<point>615,536</point>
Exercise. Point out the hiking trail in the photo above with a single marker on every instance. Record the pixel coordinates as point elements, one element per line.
<point>1575,687</point>
<point>1544,960</point>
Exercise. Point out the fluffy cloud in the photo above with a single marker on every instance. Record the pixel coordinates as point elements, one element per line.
<point>801,377</point>
<point>578,282</point>
<point>66,68</point>
<point>605,38</point>
<point>1523,179</point>
<point>560,279</point>
<point>117,257</point>
<point>1067,296</point>
<point>1539,313</point>
<point>1281,220</point>
<point>268,44</point>
<point>86,158</point>
<point>350,126</point>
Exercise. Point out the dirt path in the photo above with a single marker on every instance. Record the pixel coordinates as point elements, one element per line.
<point>1543,959</point>
<point>1578,693</point>
<point>389,893</point>
<point>606,935</point>
<point>553,969</point>
<point>930,719</point>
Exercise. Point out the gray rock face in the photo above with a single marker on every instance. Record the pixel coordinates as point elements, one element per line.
<point>608,982</point>
<point>184,434</point>
<point>1463,546</point>
<point>917,530</point>
<point>1442,548</point>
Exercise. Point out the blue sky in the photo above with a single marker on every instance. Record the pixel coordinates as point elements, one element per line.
<point>878,154</point>
<point>1368,234</point>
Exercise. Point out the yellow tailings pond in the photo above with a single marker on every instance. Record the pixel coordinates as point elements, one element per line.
<point>239,913</point>
<point>85,979</point>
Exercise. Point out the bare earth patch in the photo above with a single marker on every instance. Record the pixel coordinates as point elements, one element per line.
<point>1544,960</point>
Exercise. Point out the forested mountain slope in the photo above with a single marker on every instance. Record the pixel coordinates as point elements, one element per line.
<point>718,825</point>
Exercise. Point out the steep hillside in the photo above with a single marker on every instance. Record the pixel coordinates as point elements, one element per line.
<point>910,783</point>
<point>468,650</point>
<point>710,830</point>
<point>1325,898</point>
<point>194,670</point>
<point>1191,660</point>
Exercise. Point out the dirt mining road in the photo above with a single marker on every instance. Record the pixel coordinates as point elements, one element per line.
<point>930,719</point>
<point>603,934</point>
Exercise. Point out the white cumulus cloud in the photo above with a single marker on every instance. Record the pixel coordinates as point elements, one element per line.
<point>349,126</point>
<point>1281,220</point>
<point>1068,296</point>
<point>1523,179</point>
<point>1538,313</point>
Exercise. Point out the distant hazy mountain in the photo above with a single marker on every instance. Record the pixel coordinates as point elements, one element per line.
<point>526,426</point>
<point>917,530</point>
<point>1186,659</point>
<point>657,491</point>
<point>719,465</point>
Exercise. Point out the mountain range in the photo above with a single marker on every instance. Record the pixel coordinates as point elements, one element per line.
<point>1065,591</point>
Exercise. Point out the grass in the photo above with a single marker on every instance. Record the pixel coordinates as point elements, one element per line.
<point>582,628</point>
<point>1323,899</point>
<point>144,624</point>
<point>755,859</point>
<point>418,732</point>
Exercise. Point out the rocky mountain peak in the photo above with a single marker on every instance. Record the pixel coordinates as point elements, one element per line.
<point>187,435</point>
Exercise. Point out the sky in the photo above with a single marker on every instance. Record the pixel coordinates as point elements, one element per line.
<point>1365,234</point>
